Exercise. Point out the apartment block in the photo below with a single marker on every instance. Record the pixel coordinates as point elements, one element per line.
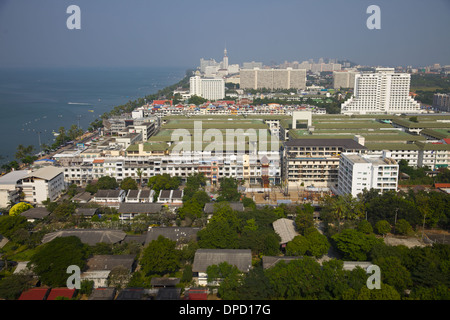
<point>273,78</point>
<point>344,79</point>
<point>358,172</point>
<point>315,161</point>
<point>441,102</point>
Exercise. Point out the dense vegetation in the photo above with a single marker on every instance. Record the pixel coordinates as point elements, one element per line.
<point>350,229</point>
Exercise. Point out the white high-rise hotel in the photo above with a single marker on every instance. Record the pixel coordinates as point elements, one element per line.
<point>208,88</point>
<point>381,92</point>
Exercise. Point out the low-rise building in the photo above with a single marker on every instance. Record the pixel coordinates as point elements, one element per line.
<point>11,186</point>
<point>43,184</point>
<point>241,258</point>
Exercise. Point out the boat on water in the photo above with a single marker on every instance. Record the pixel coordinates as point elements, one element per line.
<point>55,133</point>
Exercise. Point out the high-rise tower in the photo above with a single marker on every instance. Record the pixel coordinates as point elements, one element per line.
<point>225,59</point>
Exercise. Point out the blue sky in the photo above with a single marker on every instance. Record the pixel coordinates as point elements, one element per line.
<point>180,32</point>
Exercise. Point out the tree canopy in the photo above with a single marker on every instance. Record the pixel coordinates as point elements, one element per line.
<point>52,259</point>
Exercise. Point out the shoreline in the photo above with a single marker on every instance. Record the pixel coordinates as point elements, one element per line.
<point>6,159</point>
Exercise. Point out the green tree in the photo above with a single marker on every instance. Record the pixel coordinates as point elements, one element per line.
<point>388,205</point>
<point>160,257</point>
<point>313,243</point>
<point>52,259</point>
<point>297,246</point>
<point>12,286</point>
<point>186,277</point>
<point>74,132</point>
<point>228,190</point>
<point>163,182</point>
<point>222,231</point>
<point>23,152</point>
<point>394,273</point>
<point>354,245</point>
<point>297,279</point>
<point>365,226</point>
<point>255,285</point>
<point>191,209</point>
<point>382,227</point>
<point>197,100</point>
<point>230,278</point>
<point>65,209</point>
<point>128,184</point>
<point>304,219</point>
<point>248,203</point>
<point>86,287</point>
<point>107,183</point>
<point>10,224</point>
<point>386,292</point>
<point>318,243</point>
<point>403,227</point>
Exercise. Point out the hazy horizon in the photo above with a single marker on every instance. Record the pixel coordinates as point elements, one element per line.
<point>176,33</point>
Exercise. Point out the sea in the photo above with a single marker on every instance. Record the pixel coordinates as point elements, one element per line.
<point>35,102</point>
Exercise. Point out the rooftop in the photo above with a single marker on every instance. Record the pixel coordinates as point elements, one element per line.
<point>285,228</point>
<point>46,173</point>
<point>346,143</point>
<point>12,177</point>
<point>88,236</point>
<point>241,258</point>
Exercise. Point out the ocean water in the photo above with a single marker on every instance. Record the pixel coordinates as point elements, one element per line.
<point>36,102</point>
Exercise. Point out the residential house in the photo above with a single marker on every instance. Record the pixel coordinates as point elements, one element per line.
<point>102,293</point>
<point>110,198</point>
<point>241,258</point>
<point>182,235</point>
<point>88,236</point>
<point>170,197</point>
<point>34,214</point>
<point>128,211</point>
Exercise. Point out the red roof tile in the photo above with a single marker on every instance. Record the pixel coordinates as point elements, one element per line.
<point>35,294</point>
<point>61,292</point>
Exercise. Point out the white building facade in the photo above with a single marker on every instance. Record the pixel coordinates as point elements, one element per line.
<point>381,92</point>
<point>42,184</point>
<point>358,172</point>
<point>208,88</point>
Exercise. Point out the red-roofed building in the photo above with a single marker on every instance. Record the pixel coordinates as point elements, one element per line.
<point>442,185</point>
<point>35,294</point>
<point>196,294</point>
<point>61,292</point>
<point>447,141</point>
<point>161,102</point>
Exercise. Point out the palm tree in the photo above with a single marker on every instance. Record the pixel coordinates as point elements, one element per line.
<point>139,172</point>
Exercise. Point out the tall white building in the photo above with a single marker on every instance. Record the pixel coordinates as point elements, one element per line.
<point>208,88</point>
<point>381,92</point>
<point>358,172</point>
